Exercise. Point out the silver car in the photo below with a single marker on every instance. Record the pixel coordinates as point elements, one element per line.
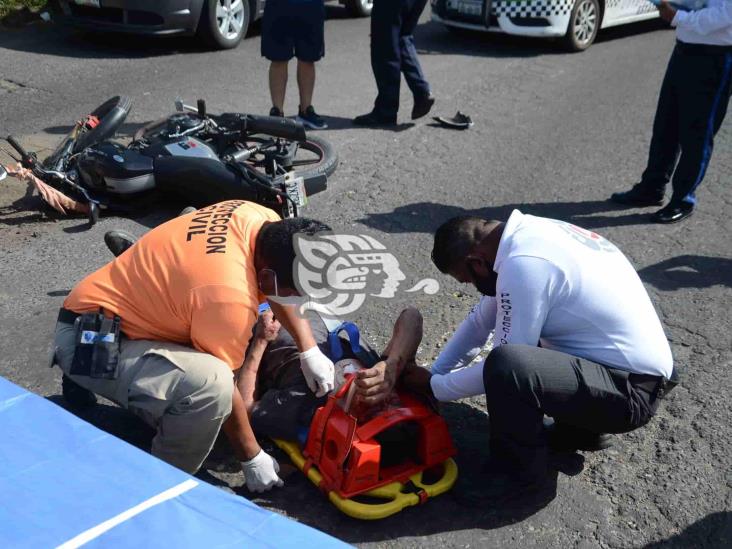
<point>221,23</point>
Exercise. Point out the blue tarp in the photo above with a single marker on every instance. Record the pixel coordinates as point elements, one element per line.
<point>61,477</point>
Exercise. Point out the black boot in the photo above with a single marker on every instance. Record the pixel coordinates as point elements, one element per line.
<point>566,438</point>
<point>118,242</point>
<point>422,105</point>
<point>638,196</point>
<point>76,395</point>
<point>373,120</point>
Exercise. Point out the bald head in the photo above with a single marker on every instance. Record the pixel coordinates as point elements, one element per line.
<point>459,237</point>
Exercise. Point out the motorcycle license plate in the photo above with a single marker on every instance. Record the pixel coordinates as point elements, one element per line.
<point>296,190</point>
<point>90,3</point>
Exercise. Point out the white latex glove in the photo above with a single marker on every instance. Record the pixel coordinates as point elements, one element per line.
<point>318,371</point>
<point>261,471</point>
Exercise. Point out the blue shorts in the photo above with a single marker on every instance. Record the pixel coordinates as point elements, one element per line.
<point>293,28</point>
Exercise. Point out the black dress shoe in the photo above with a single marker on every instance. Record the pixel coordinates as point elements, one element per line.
<point>673,213</point>
<point>373,120</point>
<point>566,438</point>
<point>422,105</point>
<point>118,242</point>
<point>638,196</point>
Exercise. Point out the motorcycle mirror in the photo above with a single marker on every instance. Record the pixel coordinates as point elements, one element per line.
<point>3,172</point>
<point>178,104</point>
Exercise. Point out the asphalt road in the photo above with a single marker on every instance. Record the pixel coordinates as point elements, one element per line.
<point>554,135</point>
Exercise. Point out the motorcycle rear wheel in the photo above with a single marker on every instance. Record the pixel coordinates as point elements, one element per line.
<point>327,159</point>
<point>315,157</point>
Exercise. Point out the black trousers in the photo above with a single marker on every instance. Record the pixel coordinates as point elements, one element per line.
<point>691,108</point>
<point>393,52</point>
<point>524,383</point>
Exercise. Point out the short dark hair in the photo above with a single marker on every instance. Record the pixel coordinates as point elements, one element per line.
<point>455,239</point>
<point>275,245</point>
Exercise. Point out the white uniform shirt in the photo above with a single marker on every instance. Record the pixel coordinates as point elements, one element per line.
<point>711,25</point>
<point>566,288</point>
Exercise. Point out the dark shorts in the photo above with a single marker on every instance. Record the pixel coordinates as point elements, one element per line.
<point>293,28</point>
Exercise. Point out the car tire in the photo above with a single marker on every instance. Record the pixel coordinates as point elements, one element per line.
<point>224,23</point>
<point>360,8</point>
<point>584,22</point>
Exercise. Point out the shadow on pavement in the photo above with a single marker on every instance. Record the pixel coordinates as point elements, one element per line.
<point>714,530</point>
<point>425,217</point>
<point>57,41</point>
<point>435,38</point>
<point>301,500</point>
<point>689,271</point>
<point>448,512</point>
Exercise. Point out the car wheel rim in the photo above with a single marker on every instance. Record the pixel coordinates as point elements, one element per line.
<point>230,18</point>
<point>585,22</point>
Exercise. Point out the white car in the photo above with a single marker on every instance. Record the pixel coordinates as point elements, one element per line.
<point>576,20</point>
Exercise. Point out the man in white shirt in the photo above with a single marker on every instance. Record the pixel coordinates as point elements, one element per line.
<point>691,108</point>
<point>576,338</point>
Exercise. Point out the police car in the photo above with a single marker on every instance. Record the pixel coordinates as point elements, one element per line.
<point>577,21</point>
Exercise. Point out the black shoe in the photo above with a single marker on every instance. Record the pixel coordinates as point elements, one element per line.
<point>673,213</point>
<point>373,120</point>
<point>422,105</point>
<point>75,394</point>
<point>569,463</point>
<point>274,111</point>
<point>565,438</point>
<point>638,196</point>
<point>118,242</point>
<point>311,119</point>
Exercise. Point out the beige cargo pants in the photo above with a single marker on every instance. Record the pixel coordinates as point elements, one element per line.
<point>182,393</point>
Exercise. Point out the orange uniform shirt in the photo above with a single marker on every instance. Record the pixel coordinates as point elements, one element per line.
<point>191,281</point>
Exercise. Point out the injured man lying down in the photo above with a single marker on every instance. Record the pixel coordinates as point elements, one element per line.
<point>277,396</point>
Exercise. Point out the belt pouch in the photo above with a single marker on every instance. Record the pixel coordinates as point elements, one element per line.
<point>87,330</point>
<point>105,356</point>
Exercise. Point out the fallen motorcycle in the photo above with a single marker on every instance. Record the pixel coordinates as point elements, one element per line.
<point>191,156</point>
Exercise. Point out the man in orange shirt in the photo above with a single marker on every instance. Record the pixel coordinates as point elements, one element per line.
<point>187,295</point>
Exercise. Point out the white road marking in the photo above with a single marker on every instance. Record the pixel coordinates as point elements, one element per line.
<point>99,529</point>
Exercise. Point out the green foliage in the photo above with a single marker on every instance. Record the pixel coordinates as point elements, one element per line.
<point>6,6</point>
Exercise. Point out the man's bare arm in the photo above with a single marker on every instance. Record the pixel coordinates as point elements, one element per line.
<point>238,430</point>
<point>376,384</point>
<point>246,381</point>
<point>265,331</point>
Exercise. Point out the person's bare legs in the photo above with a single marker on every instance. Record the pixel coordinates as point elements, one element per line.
<point>305,83</point>
<point>278,83</point>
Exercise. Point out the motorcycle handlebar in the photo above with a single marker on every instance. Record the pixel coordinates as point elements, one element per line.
<point>276,126</point>
<point>27,160</point>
